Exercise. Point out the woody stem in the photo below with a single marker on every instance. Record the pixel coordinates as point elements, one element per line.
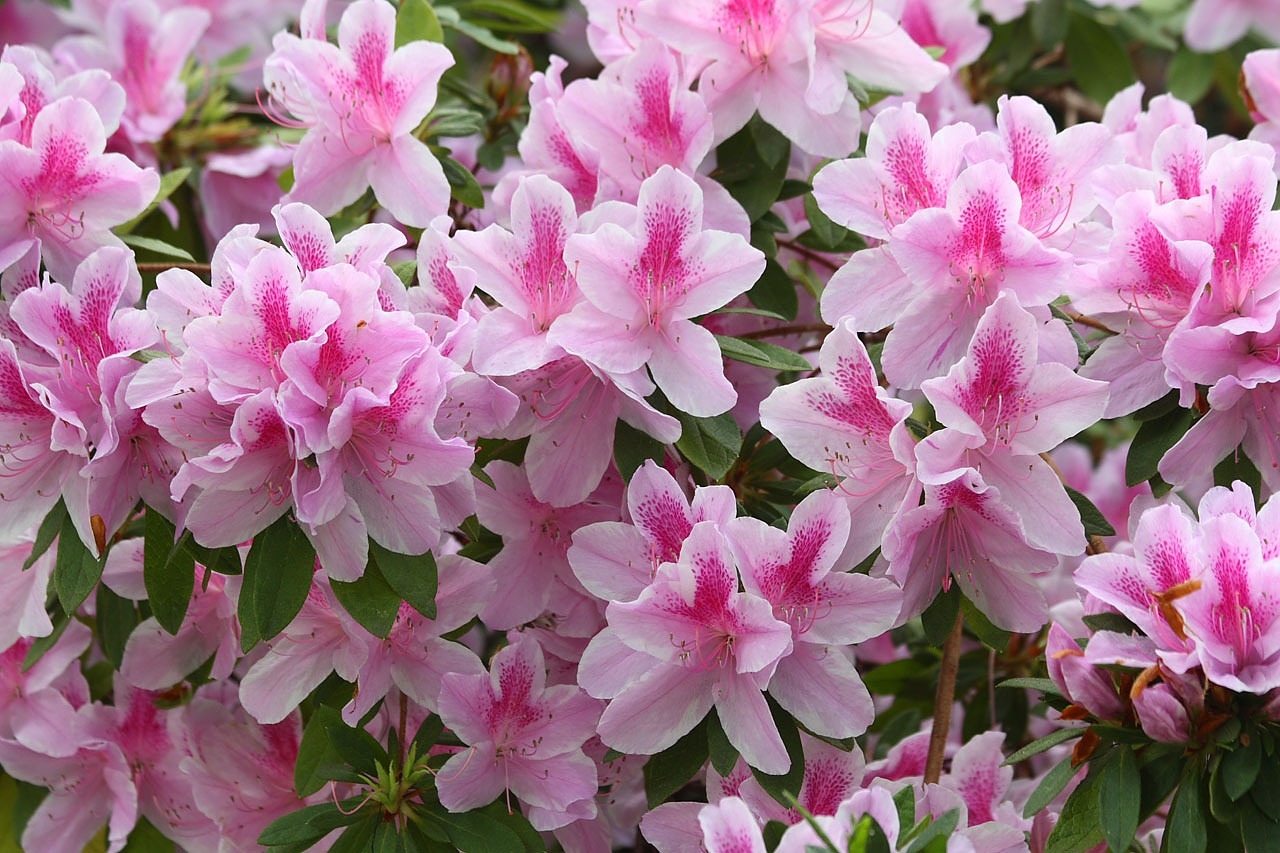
<point>943,700</point>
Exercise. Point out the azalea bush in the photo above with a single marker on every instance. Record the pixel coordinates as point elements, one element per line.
<point>508,425</point>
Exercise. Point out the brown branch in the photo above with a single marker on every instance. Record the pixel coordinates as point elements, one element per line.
<point>160,266</point>
<point>809,254</point>
<point>782,331</point>
<point>943,699</point>
<point>1083,320</point>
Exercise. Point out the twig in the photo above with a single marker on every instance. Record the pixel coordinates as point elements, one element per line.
<point>943,700</point>
<point>809,254</point>
<point>782,331</point>
<point>161,266</point>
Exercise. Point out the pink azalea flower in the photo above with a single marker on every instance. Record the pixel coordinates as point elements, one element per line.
<point>1004,396</point>
<point>729,827</point>
<point>1081,682</point>
<point>1166,556</point>
<point>63,192</point>
<point>414,658</point>
<point>831,776</point>
<point>1235,617</point>
<point>523,736</point>
<point>643,286</point>
<point>546,147</point>
<point>309,238</point>
<point>844,423</point>
<point>1052,170</point>
<point>241,773</point>
<point>965,530</point>
<point>689,642</point>
<point>826,609</point>
<point>38,706</point>
<point>144,47</point>
<point>1211,26</point>
<point>615,561</point>
<point>570,409</point>
<point>361,100</point>
<point>525,271</point>
<point>240,187</point>
<point>43,81</point>
<point>959,260</point>
<point>535,543</point>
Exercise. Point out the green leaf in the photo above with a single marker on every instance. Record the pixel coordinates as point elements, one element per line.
<point>1095,523</point>
<point>1189,75</point>
<point>933,833</point>
<point>48,532</point>
<point>75,571</point>
<point>454,121</point>
<point>316,751</point>
<point>224,561</point>
<point>1044,685</point>
<point>752,165</point>
<point>463,184</point>
<point>1240,768</point>
<point>370,600</point>
<point>116,617</point>
<point>449,17</point>
<point>277,578</point>
<point>1097,59</point>
<point>1187,829</point>
<point>827,236</point>
<point>1079,825</point>
<point>1238,466</point>
<point>671,769</point>
<point>168,571</point>
<point>631,448</point>
<point>1153,440</point>
<point>762,354</point>
<point>157,247</point>
<point>1049,22</point>
<point>416,21</point>
<point>1257,830</point>
<point>1039,745</point>
<point>145,838</point>
<point>785,787</point>
<point>477,832</point>
<point>414,578</point>
<point>1266,788</point>
<point>775,292</point>
<point>359,836</point>
<point>712,444</point>
<point>310,824</point>
<point>983,628</point>
<point>510,16</point>
<point>724,755</point>
<point>169,182</point>
<point>406,271</point>
<point>1119,798</point>
<point>1049,788</point>
<point>939,618</point>
<point>1109,622</point>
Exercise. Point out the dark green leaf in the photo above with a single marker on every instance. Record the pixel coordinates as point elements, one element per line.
<point>1049,21</point>
<point>406,271</point>
<point>1044,685</point>
<point>775,292</point>
<point>370,600</point>
<point>1154,438</point>
<point>414,578</point>
<point>1240,768</point>
<point>904,802</point>
<point>145,838</point>
<point>416,21</point>
<point>157,247</point>
<point>1095,523</point>
<point>712,444</point>
<point>49,529</point>
<point>1266,788</point>
<point>463,184</point>
<point>477,832</point>
<point>358,837</point>
<point>309,824</point>
<point>316,751</point>
<point>1079,825</point>
<point>1097,58</point>
<point>724,755</point>
<point>224,561</point>
<point>1257,830</point>
<point>511,16</point>
<point>827,236</point>
<point>1187,828</point>
<point>1189,75</point>
<point>1109,622</point>
<point>75,571</point>
<point>792,188</point>
<point>1119,798</point>
<point>762,354</point>
<point>671,769</point>
<point>454,121</point>
<point>934,831</point>
<point>168,571</point>
<point>939,618</point>
<point>1039,745</point>
<point>976,621</point>
<point>1238,466</point>
<point>1049,788</point>
<point>752,165</point>
<point>116,618</point>
<point>277,578</point>
<point>449,17</point>
<point>631,448</point>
